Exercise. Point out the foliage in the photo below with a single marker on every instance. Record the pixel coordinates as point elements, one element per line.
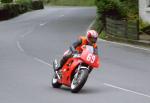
<point>110,8</point>
<point>6,1</point>
<point>37,5</point>
<point>9,10</point>
<point>23,1</point>
<point>118,9</point>
<point>132,7</point>
<point>103,35</point>
<point>46,1</point>
<point>71,2</point>
<point>27,3</point>
<point>144,26</point>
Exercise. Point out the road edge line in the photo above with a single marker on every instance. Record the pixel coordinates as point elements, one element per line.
<point>42,61</point>
<point>127,90</point>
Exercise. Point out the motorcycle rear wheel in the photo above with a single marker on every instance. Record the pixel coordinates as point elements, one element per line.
<point>79,80</point>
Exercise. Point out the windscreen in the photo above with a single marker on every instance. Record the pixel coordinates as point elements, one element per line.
<point>90,48</point>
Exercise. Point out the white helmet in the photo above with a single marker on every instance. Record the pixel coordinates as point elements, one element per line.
<point>92,36</point>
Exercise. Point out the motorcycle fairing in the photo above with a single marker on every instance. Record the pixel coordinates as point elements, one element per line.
<point>69,68</point>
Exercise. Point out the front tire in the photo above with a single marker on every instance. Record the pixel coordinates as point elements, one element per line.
<point>79,80</point>
<point>55,82</point>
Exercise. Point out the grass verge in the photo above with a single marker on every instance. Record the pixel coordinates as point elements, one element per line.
<point>72,2</point>
<point>123,40</point>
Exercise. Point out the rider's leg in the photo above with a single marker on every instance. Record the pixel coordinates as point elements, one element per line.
<point>64,59</point>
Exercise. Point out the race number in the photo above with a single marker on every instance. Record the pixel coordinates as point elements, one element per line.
<point>91,58</point>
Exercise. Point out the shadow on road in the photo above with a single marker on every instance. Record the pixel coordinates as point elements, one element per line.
<point>90,91</point>
<point>84,90</point>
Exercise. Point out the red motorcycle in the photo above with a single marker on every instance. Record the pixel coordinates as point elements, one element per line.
<point>75,71</point>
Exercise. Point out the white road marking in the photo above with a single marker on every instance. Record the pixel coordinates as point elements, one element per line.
<point>19,46</point>
<point>61,15</point>
<point>41,61</point>
<point>28,32</point>
<point>127,90</point>
<point>42,24</point>
<point>128,45</point>
<point>37,59</point>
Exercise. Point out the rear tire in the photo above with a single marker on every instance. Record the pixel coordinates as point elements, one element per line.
<point>55,82</point>
<point>79,80</point>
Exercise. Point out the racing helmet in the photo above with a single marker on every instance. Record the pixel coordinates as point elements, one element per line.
<point>92,36</point>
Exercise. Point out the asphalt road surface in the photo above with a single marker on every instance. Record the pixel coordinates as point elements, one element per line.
<point>30,42</point>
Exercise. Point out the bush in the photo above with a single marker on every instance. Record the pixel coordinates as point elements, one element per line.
<point>25,3</point>
<point>118,9</point>
<point>132,7</point>
<point>6,1</point>
<point>146,30</point>
<point>3,13</point>
<point>37,5</point>
<point>110,8</point>
<point>23,8</point>
<point>11,10</point>
<point>71,2</point>
<point>31,4</point>
<point>144,26</point>
<point>46,1</point>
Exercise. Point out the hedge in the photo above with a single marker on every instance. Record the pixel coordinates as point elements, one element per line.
<point>27,3</point>
<point>37,5</point>
<point>6,1</point>
<point>110,8</point>
<point>10,10</point>
<point>146,30</point>
<point>71,2</point>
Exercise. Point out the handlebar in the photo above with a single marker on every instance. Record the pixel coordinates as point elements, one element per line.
<point>77,55</point>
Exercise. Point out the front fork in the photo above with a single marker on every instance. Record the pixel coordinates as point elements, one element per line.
<point>57,74</point>
<point>55,65</point>
<point>82,67</point>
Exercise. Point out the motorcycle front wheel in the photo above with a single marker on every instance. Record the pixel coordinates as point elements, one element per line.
<point>55,82</point>
<point>79,80</point>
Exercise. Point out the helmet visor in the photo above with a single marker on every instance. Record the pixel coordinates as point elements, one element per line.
<point>93,40</point>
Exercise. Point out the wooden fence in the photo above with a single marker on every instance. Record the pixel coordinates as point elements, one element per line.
<point>123,28</point>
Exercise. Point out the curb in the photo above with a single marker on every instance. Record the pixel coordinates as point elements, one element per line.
<point>127,41</point>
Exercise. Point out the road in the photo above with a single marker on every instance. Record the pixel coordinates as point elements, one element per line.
<point>30,42</point>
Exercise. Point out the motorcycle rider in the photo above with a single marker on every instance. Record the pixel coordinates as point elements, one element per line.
<point>76,47</point>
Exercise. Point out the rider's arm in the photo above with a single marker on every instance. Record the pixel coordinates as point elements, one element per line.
<point>75,44</point>
<point>96,51</point>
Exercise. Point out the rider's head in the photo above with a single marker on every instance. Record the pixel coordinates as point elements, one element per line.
<point>92,36</point>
